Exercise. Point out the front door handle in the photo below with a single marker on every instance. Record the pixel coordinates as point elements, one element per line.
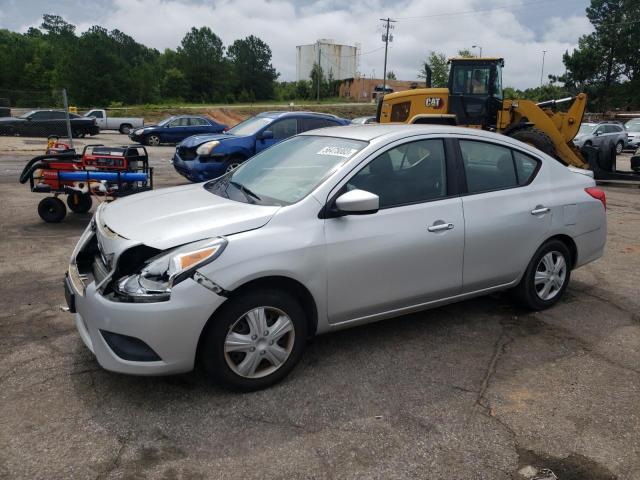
<point>539,210</point>
<point>438,227</point>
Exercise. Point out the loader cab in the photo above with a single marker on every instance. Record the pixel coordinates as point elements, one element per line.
<point>475,91</point>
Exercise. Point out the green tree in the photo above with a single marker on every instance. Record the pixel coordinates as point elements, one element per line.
<point>439,68</point>
<point>391,75</point>
<point>202,60</point>
<point>317,77</point>
<point>251,68</point>
<point>466,53</point>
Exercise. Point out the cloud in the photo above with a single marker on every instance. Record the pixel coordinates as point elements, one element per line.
<point>283,24</point>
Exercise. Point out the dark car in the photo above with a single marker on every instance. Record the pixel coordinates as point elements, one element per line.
<point>203,157</point>
<point>175,129</point>
<point>42,123</point>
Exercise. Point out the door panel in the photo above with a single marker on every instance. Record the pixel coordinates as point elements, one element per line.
<point>410,251</point>
<point>389,260</point>
<point>501,233</point>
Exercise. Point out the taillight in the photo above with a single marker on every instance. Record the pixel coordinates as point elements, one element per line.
<point>598,194</point>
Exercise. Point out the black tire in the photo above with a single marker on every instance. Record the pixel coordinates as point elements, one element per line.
<point>125,128</point>
<point>78,134</point>
<point>536,138</point>
<point>588,143</point>
<point>79,202</point>
<point>52,210</point>
<point>152,140</point>
<point>233,162</point>
<point>212,354</point>
<point>526,292</point>
<point>619,147</point>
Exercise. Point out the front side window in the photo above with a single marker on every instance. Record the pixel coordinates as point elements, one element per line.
<point>96,114</point>
<point>286,172</point>
<point>410,173</point>
<point>400,111</point>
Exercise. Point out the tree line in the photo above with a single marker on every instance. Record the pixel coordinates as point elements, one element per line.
<point>106,68</point>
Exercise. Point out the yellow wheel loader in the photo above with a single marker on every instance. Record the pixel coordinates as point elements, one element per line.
<point>474,98</point>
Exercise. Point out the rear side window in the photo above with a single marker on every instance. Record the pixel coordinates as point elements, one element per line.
<point>525,167</point>
<point>312,124</point>
<point>196,122</point>
<point>487,166</point>
<point>400,112</point>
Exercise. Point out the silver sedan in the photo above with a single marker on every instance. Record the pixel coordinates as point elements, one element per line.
<point>327,230</point>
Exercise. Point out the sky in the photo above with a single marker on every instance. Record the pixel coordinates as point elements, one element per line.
<point>517,30</point>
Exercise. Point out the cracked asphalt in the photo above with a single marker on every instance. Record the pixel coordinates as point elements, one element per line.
<point>475,390</point>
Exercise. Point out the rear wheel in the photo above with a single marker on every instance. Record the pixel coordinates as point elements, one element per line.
<point>125,128</point>
<point>52,210</point>
<point>536,138</point>
<point>255,339</point>
<point>546,277</point>
<point>79,202</point>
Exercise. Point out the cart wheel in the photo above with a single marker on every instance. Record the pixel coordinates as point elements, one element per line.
<point>52,210</point>
<point>79,202</point>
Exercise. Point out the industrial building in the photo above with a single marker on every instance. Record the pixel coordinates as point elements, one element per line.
<point>340,60</point>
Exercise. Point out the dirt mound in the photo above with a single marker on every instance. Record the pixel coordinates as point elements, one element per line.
<point>227,116</point>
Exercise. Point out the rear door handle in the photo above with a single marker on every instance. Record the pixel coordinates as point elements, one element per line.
<point>539,210</point>
<point>438,227</point>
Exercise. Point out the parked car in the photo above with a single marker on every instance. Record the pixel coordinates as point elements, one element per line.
<point>598,134</point>
<point>42,123</point>
<point>203,157</point>
<point>107,122</point>
<point>363,120</point>
<point>175,129</point>
<point>633,133</point>
<point>329,229</point>
<point>635,161</point>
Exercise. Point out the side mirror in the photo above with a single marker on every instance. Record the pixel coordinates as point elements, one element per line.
<point>358,202</point>
<point>266,135</point>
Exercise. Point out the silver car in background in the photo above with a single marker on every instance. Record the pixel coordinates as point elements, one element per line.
<point>633,133</point>
<point>599,134</point>
<point>327,230</point>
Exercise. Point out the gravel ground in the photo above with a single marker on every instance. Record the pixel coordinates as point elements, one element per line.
<point>477,390</point>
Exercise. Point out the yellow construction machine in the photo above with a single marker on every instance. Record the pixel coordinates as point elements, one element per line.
<point>474,98</point>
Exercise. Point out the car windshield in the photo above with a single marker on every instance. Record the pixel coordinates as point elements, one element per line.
<point>633,127</point>
<point>586,129</point>
<point>28,114</point>
<point>286,172</point>
<point>165,121</point>
<point>250,126</point>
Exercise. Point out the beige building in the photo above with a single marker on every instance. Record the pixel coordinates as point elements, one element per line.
<point>367,89</point>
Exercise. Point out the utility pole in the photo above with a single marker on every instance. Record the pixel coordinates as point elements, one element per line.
<point>318,71</point>
<point>542,69</point>
<point>386,40</point>
<point>66,113</point>
<point>478,46</point>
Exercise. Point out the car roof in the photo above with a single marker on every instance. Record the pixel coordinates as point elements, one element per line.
<point>393,131</point>
<point>302,113</point>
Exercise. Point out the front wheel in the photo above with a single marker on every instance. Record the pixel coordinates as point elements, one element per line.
<point>153,140</point>
<point>255,340</point>
<point>546,277</point>
<point>619,147</point>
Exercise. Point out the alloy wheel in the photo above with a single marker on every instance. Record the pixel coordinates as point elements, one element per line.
<point>232,166</point>
<point>259,342</point>
<point>550,275</point>
<point>153,140</point>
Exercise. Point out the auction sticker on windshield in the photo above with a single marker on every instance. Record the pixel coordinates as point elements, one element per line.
<point>336,151</point>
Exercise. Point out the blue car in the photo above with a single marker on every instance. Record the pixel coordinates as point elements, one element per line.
<point>203,157</point>
<point>175,129</point>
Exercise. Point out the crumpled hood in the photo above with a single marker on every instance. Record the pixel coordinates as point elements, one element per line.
<point>170,217</point>
<point>197,140</point>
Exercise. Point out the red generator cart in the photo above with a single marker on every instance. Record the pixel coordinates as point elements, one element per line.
<point>100,171</point>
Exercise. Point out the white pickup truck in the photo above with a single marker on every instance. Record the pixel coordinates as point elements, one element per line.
<point>122,124</point>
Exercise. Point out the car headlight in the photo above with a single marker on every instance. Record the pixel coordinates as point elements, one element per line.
<point>161,273</point>
<point>138,131</point>
<point>206,148</point>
